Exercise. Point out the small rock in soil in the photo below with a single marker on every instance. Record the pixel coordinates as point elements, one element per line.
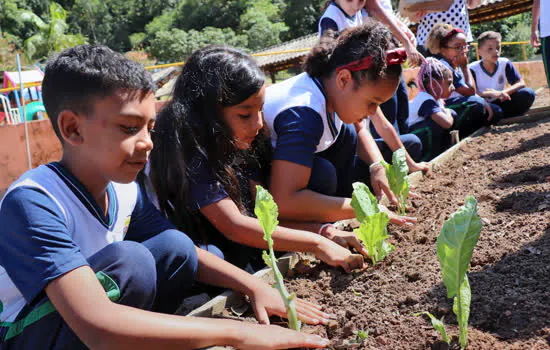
<point>381,340</point>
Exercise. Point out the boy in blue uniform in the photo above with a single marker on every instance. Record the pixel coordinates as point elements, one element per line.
<point>85,257</point>
<point>491,74</point>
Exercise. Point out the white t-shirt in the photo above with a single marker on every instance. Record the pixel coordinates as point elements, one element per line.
<point>544,18</point>
<point>456,15</point>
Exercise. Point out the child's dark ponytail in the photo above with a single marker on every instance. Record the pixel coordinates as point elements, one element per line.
<point>372,39</point>
<point>317,62</point>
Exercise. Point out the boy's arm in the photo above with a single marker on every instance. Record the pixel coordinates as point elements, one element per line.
<point>535,23</point>
<point>264,299</point>
<point>391,138</point>
<point>514,79</point>
<point>100,323</point>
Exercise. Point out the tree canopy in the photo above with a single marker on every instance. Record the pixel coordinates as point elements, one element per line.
<point>169,30</point>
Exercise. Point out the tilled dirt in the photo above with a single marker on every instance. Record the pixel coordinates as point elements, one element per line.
<point>508,170</point>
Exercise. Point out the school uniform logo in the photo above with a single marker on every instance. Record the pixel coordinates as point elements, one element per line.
<point>501,79</point>
<point>126,224</point>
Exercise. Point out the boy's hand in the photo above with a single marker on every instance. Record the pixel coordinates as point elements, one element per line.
<point>489,111</point>
<point>255,337</point>
<point>266,300</point>
<point>503,96</point>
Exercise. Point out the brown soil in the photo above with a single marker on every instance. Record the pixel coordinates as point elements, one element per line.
<point>543,98</point>
<point>508,170</point>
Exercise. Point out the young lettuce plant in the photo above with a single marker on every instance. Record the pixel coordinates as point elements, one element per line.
<point>372,231</point>
<point>455,246</point>
<point>266,211</point>
<point>398,178</point>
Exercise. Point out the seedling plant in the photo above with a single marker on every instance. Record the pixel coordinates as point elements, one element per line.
<point>455,246</point>
<point>372,231</point>
<point>398,177</point>
<point>267,212</point>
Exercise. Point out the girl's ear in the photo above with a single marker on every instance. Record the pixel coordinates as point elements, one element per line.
<point>69,127</point>
<point>343,79</point>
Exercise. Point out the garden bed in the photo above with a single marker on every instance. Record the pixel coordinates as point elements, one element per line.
<point>507,169</point>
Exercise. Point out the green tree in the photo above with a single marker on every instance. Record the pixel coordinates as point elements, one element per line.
<point>262,24</point>
<point>51,35</point>
<point>301,17</point>
<point>176,44</point>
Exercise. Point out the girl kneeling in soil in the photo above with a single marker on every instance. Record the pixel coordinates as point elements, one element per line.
<point>449,45</point>
<point>322,144</point>
<point>210,151</point>
<point>428,118</point>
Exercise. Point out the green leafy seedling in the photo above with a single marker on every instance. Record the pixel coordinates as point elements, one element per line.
<point>398,177</point>
<point>455,247</point>
<point>361,335</point>
<point>372,231</point>
<point>438,325</point>
<point>266,211</point>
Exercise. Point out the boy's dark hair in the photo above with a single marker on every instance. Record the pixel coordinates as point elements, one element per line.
<point>489,35</point>
<point>77,77</point>
<point>334,50</point>
<point>192,125</point>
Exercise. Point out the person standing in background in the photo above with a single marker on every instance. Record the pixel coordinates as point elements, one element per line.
<point>542,7</point>
<point>456,15</point>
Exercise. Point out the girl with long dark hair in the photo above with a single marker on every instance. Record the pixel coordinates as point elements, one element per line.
<point>211,149</point>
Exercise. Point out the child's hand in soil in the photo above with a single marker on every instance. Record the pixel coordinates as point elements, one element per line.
<point>396,219</point>
<point>266,300</point>
<point>335,255</point>
<point>254,337</point>
<point>345,239</point>
<point>422,166</point>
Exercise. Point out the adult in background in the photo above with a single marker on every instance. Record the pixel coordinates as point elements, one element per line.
<point>456,15</point>
<point>542,7</point>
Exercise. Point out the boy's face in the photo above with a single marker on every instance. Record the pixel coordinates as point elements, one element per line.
<point>351,7</point>
<point>490,50</point>
<point>116,136</point>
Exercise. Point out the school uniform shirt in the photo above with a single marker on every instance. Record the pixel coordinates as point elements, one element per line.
<point>422,107</point>
<point>337,19</point>
<point>458,78</point>
<point>456,15</point>
<point>504,72</point>
<point>296,112</point>
<point>51,225</point>
<point>544,18</point>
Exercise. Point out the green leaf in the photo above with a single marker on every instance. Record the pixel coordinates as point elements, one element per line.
<point>455,245</point>
<point>461,308</point>
<point>372,233</point>
<point>266,211</point>
<point>438,325</point>
<point>398,179</point>
<point>363,202</point>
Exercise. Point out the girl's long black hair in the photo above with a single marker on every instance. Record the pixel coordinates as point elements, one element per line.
<point>192,125</point>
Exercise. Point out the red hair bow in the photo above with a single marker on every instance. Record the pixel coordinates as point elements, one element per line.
<point>450,34</point>
<point>393,57</point>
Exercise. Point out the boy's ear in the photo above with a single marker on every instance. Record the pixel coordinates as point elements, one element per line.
<point>69,124</point>
<point>343,78</point>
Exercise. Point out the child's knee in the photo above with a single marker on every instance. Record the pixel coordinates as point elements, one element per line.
<point>174,248</point>
<point>413,145</point>
<point>525,96</point>
<point>134,272</point>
